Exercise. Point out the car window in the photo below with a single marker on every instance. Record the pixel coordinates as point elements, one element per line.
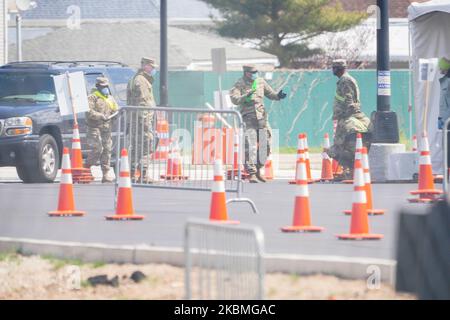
<point>120,77</point>
<point>33,87</point>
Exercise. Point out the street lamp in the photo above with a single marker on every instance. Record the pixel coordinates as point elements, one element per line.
<point>16,7</point>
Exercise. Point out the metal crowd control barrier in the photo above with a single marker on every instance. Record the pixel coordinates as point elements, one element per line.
<point>445,155</point>
<point>177,148</point>
<point>223,262</point>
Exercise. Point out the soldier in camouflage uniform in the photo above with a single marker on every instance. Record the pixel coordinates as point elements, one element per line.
<point>98,119</point>
<point>140,94</point>
<point>350,120</point>
<point>248,94</point>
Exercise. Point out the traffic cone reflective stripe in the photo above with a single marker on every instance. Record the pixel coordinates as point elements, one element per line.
<point>218,210</point>
<point>358,153</point>
<point>79,173</point>
<point>174,168</point>
<point>124,208</point>
<point>308,162</point>
<point>359,227</point>
<point>66,203</point>
<point>302,215</point>
<point>427,192</point>
<point>327,166</point>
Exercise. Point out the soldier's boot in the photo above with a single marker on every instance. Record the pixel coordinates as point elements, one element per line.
<point>252,178</point>
<point>260,177</point>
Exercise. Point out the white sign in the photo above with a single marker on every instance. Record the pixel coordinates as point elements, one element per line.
<point>75,99</point>
<point>427,69</point>
<point>227,104</point>
<point>384,83</point>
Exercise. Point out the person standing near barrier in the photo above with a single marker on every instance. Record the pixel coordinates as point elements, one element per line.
<point>248,94</point>
<point>350,120</point>
<point>102,107</point>
<point>444,103</point>
<point>140,94</point>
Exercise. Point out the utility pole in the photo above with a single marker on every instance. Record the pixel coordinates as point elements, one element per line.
<point>385,120</point>
<point>19,36</point>
<point>163,88</point>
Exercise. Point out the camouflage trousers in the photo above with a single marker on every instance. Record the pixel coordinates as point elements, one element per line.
<point>100,143</point>
<point>257,145</point>
<point>343,149</point>
<point>141,137</point>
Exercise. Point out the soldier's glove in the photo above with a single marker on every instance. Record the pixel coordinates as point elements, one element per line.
<point>440,123</point>
<point>282,95</point>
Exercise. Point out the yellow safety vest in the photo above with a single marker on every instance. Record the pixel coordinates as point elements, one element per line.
<point>109,100</point>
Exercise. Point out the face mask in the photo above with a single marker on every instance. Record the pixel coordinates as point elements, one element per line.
<point>153,73</point>
<point>254,76</point>
<point>105,91</point>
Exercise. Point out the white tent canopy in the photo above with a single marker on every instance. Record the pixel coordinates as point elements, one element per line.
<point>430,38</point>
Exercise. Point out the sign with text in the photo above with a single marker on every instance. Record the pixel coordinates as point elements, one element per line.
<point>71,93</point>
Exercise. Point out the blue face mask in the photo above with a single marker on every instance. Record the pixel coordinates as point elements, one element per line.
<point>153,72</point>
<point>105,91</point>
<point>254,76</point>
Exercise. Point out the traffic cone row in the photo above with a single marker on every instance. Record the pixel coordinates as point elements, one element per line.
<point>79,173</point>
<point>359,226</point>
<point>174,167</point>
<point>426,192</point>
<point>368,186</point>
<point>303,153</point>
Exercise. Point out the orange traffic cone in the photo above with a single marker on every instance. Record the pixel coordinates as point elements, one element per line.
<point>414,144</point>
<point>308,162</point>
<point>358,153</point>
<point>218,210</point>
<point>124,209</point>
<point>80,174</point>
<point>427,193</point>
<point>174,168</point>
<point>268,169</point>
<point>327,166</point>
<point>302,215</point>
<point>162,130</point>
<point>66,204</point>
<point>233,173</point>
<point>300,154</point>
<point>368,181</point>
<point>359,228</point>
<point>337,169</point>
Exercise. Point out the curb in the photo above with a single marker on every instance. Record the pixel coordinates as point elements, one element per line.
<point>343,267</point>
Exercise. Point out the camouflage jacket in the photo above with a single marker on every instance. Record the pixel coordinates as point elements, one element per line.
<point>140,90</point>
<point>99,107</point>
<point>252,106</point>
<point>346,101</point>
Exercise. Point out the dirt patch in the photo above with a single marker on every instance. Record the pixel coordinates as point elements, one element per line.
<point>47,278</point>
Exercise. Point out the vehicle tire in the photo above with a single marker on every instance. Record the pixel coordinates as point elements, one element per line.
<point>23,174</point>
<point>45,169</point>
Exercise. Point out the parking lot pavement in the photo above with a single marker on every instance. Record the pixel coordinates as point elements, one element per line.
<point>24,208</point>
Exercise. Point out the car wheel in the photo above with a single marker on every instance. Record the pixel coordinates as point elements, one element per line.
<point>23,174</point>
<point>46,167</point>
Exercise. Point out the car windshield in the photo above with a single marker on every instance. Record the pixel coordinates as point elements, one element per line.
<point>120,78</point>
<point>30,87</point>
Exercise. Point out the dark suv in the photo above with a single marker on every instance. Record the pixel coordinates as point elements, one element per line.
<point>32,131</point>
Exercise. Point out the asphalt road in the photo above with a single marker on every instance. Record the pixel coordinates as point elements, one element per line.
<point>23,215</point>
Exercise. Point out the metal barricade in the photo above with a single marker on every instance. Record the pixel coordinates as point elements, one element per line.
<point>223,262</point>
<point>175,148</point>
<point>445,155</point>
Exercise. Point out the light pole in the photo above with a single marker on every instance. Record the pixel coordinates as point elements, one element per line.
<point>385,120</point>
<point>16,7</point>
<point>163,88</point>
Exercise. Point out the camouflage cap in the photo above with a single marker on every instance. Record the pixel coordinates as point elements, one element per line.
<point>102,81</point>
<point>249,68</point>
<point>150,61</point>
<point>339,63</point>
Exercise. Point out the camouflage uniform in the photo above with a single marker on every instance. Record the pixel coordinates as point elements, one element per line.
<point>99,136</point>
<point>140,94</point>
<point>251,107</point>
<point>350,120</point>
